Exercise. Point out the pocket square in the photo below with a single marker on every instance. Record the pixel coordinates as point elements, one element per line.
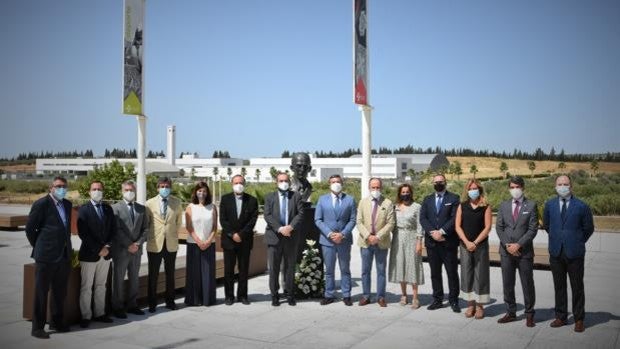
<point>525,212</point>
<point>448,204</point>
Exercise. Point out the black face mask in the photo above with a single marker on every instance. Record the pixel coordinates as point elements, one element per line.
<point>439,187</point>
<point>405,197</point>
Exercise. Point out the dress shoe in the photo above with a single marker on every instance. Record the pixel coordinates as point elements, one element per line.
<point>529,320</point>
<point>135,311</point>
<point>579,327</point>
<point>292,301</point>
<point>60,329</point>
<point>364,301</point>
<point>171,306</point>
<point>121,314</point>
<point>229,301</point>
<point>275,301</point>
<point>381,302</point>
<point>507,318</point>
<point>84,323</point>
<point>152,308</point>
<point>435,305</point>
<point>455,307</point>
<point>558,323</point>
<point>479,314</point>
<point>243,300</point>
<point>326,301</point>
<point>40,334</point>
<point>103,318</point>
<point>347,301</point>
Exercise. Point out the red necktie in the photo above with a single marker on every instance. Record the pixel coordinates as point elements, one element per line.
<point>515,213</point>
<point>374,215</point>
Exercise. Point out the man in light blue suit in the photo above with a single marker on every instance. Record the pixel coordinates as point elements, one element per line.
<point>335,216</point>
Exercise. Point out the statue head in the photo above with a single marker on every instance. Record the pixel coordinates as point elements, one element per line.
<point>300,165</point>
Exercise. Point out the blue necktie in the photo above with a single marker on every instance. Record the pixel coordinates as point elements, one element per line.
<point>99,212</point>
<point>164,207</point>
<point>438,204</point>
<point>563,211</point>
<point>131,214</point>
<point>283,209</point>
<point>61,211</point>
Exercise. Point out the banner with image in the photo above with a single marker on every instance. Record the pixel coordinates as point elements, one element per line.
<point>133,78</point>
<point>360,49</point>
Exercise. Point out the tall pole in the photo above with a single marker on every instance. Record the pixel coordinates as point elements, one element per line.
<point>141,190</point>
<point>366,147</point>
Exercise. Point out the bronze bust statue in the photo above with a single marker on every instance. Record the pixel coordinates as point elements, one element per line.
<point>300,165</point>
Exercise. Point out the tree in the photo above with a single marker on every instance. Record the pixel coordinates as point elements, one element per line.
<point>473,170</point>
<point>594,166</point>
<point>257,173</point>
<point>273,172</point>
<point>503,168</point>
<point>229,172</point>
<point>458,170</point>
<point>243,172</point>
<point>112,175</point>
<point>561,166</point>
<point>532,166</point>
<point>216,171</point>
<point>451,170</point>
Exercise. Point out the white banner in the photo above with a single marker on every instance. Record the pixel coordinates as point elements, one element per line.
<point>133,78</point>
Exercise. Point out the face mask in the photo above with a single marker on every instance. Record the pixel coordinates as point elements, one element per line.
<point>129,195</point>
<point>238,188</point>
<point>516,193</point>
<point>201,195</point>
<point>563,190</point>
<point>335,187</point>
<point>473,194</point>
<point>405,197</point>
<point>375,194</point>
<point>59,193</point>
<point>439,187</point>
<point>283,186</point>
<point>164,192</point>
<point>96,195</point>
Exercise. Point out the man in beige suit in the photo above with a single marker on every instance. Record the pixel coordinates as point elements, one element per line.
<point>165,217</point>
<point>375,221</point>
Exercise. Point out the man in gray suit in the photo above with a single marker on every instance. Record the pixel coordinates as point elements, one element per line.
<point>131,225</point>
<point>284,216</point>
<point>517,225</point>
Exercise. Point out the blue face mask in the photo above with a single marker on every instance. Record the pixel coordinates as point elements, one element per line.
<point>164,192</point>
<point>473,194</point>
<point>59,193</point>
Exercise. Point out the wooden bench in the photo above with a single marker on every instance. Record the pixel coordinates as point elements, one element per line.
<point>12,221</point>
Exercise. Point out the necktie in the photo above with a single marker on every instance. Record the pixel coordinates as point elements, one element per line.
<point>283,209</point>
<point>515,213</point>
<point>99,211</point>
<point>374,216</point>
<point>239,203</point>
<point>164,207</point>
<point>61,211</point>
<point>131,214</point>
<point>563,211</point>
<point>438,203</point>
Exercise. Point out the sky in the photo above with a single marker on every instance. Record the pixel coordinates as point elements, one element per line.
<point>256,77</point>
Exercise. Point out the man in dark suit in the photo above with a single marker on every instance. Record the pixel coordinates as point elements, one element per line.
<point>49,232</point>
<point>335,216</point>
<point>130,232</point>
<point>516,226</point>
<point>437,216</point>
<point>569,223</point>
<point>95,227</point>
<point>238,214</point>
<point>283,213</point>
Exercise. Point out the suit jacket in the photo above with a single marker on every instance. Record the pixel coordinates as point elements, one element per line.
<point>328,219</point>
<point>94,232</point>
<point>127,232</point>
<point>384,223</point>
<point>272,216</point>
<point>244,225</point>
<point>570,234</point>
<point>444,220</point>
<point>49,237</point>
<point>163,228</point>
<point>522,231</point>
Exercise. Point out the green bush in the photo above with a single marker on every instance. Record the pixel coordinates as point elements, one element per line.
<point>24,186</point>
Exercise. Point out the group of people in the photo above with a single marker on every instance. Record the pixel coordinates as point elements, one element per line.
<point>113,236</point>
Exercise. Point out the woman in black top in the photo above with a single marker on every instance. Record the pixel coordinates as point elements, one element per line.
<point>473,223</point>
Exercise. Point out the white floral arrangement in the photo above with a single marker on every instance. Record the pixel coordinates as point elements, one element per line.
<point>308,273</point>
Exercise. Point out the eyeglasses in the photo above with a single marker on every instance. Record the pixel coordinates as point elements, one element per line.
<point>60,186</point>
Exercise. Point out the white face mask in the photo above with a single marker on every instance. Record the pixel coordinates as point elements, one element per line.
<point>129,195</point>
<point>336,187</point>
<point>283,186</point>
<point>375,194</point>
<point>201,195</point>
<point>562,190</point>
<point>96,195</point>
<point>238,188</point>
<point>516,193</point>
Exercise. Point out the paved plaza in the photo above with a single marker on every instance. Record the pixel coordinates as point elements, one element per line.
<point>310,325</point>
